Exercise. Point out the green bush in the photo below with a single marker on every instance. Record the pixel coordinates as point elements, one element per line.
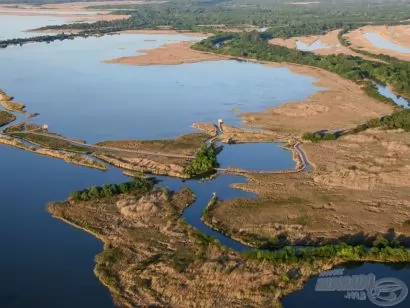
<point>398,119</point>
<point>204,162</point>
<point>109,190</point>
<point>315,137</point>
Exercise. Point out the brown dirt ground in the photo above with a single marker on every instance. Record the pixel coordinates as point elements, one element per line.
<point>329,39</point>
<point>341,105</point>
<point>397,34</point>
<point>168,54</point>
<point>359,187</point>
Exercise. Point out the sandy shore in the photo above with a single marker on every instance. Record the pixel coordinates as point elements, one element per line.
<point>330,40</point>
<point>397,34</point>
<point>342,104</point>
<point>168,54</point>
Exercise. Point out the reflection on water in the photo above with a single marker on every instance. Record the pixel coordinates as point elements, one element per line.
<point>380,42</point>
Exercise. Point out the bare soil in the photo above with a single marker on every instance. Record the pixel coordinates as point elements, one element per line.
<point>342,104</point>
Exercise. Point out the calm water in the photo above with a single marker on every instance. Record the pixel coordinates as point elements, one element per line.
<point>48,263</point>
<point>256,156</point>
<point>311,298</point>
<point>310,47</point>
<point>69,86</point>
<point>389,94</point>
<point>44,262</point>
<point>382,43</point>
<point>20,24</point>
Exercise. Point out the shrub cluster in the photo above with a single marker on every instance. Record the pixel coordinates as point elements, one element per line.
<point>109,190</point>
<point>315,137</point>
<point>398,119</point>
<point>382,249</point>
<point>204,162</point>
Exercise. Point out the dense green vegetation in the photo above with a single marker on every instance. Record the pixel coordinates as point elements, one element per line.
<point>280,18</point>
<point>283,19</point>
<point>398,119</point>
<point>253,45</point>
<point>383,250</point>
<point>204,162</point>
<point>47,38</point>
<point>315,137</point>
<point>109,190</point>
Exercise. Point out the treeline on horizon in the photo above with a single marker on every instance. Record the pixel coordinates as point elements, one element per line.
<point>253,45</point>
<point>284,20</point>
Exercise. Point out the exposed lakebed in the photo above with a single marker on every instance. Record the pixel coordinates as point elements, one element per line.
<point>50,264</point>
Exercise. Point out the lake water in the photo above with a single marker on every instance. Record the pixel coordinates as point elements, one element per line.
<point>20,24</point>
<point>256,156</point>
<point>384,90</point>
<point>47,263</point>
<point>336,299</point>
<point>382,43</point>
<point>310,47</point>
<point>69,86</point>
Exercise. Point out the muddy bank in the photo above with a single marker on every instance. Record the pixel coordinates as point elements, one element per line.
<point>342,104</point>
<point>168,54</point>
<point>72,158</point>
<point>146,165</point>
<point>13,106</point>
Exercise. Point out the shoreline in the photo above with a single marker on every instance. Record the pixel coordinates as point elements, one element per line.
<point>399,35</point>
<point>342,102</point>
<point>167,54</point>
